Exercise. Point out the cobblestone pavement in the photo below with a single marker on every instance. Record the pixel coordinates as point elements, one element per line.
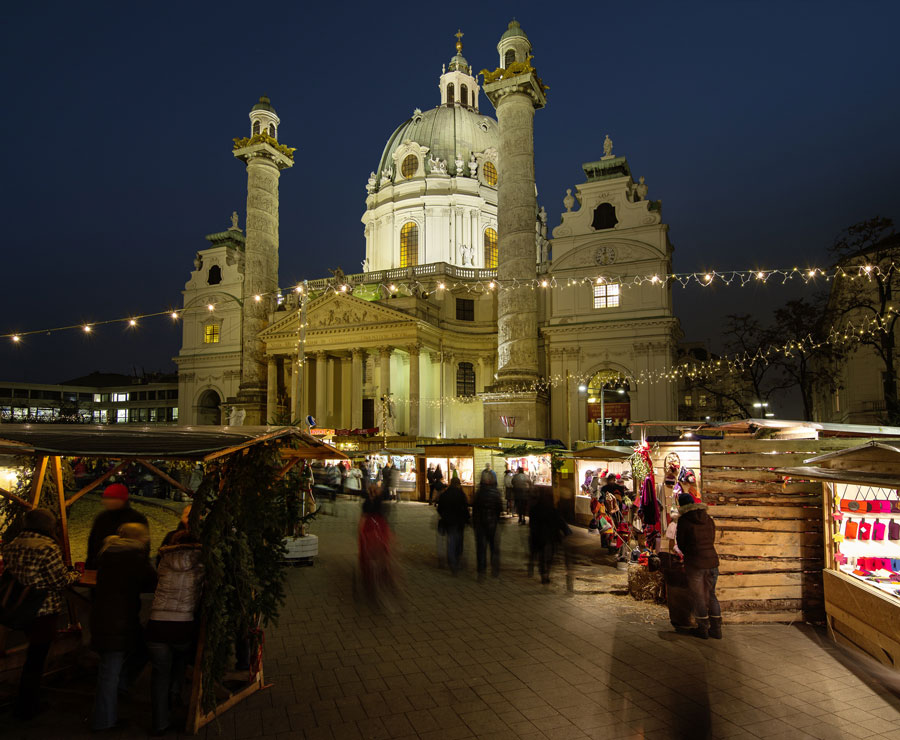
<point>455,658</point>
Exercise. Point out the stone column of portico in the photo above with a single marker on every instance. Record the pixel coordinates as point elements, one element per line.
<point>321,388</point>
<point>265,158</point>
<point>385,353</point>
<point>271,390</point>
<point>288,365</point>
<point>356,387</point>
<point>516,92</point>
<point>414,350</point>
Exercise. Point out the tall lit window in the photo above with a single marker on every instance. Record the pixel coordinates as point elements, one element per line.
<point>211,334</point>
<point>451,94</point>
<point>272,130</point>
<point>606,296</point>
<point>255,127</point>
<point>509,58</point>
<point>119,397</point>
<point>688,401</point>
<point>490,248</point>
<point>489,171</point>
<point>463,94</point>
<point>409,245</point>
<point>409,166</point>
<point>465,379</point>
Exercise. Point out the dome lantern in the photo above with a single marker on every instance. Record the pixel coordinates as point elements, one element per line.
<point>458,86</point>
<point>514,45</point>
<point>263,119</point>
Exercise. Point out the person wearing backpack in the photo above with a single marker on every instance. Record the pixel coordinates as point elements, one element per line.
<point>34,559</point>
<point>487,507</point>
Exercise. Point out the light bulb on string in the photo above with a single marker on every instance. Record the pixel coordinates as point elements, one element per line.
<point>257,298</point>
<point>16,338</point>
<point>132,322</point>
<point>88,328</point>
<point>174,315</point>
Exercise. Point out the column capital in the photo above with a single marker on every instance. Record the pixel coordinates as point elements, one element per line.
<point>414,348</point>
<point>358,352</point>
<point>385,351</point>
<point>320,354</point>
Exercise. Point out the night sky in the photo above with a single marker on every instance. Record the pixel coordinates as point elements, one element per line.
<point>765,128</point>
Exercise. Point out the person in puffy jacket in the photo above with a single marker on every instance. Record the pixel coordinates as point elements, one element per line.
<point>696,539</point>
<point>124,572</point>
<point>171,631</point>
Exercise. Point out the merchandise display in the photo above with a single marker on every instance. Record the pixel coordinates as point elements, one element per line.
<point>866,535</point>
<point>464,467</point>
<point>536,467</point>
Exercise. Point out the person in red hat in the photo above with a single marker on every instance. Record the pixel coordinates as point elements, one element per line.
<point>106,523</point>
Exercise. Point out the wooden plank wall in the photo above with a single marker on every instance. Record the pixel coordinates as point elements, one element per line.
<point>769,533</point>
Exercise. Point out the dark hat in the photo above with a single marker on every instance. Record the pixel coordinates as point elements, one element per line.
<point>685,499</point>
<point>40,520</point>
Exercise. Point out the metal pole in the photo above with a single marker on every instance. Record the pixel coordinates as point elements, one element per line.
<point>299,405</point>
<point>603,414</point>
<point>568,414</point>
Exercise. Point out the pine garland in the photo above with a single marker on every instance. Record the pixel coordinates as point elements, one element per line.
<point>242,510</point>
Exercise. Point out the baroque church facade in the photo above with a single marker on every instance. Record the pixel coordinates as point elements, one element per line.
<point>467,312</point>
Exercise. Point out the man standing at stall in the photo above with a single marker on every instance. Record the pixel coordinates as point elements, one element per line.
<point>117,511</point>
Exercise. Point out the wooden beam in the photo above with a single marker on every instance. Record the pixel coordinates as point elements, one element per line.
<point>287,468</point>
<point>165,476</point>
<point>102,479</point>
<point>244,445</point>
<point>17,499</point>
<point>63,518</point>
<point>37,484</point>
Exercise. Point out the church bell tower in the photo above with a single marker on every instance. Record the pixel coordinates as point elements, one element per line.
<point>265,158</point>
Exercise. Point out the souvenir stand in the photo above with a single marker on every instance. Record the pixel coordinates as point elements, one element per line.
<point>862,544</point>
<point>405,459</point>
<point>45,446</point>
<point>603,459</point>
<point>468,460</point>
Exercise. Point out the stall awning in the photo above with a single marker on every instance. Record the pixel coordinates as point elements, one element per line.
<point>151,442</point>
<point>879,480</point>
<point>603,453</point>
<point>398,451</point>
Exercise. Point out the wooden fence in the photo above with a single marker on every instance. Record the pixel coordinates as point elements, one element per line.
<point>769,533</point>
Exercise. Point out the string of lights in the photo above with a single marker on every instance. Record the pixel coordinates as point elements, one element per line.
<point>385,289</point>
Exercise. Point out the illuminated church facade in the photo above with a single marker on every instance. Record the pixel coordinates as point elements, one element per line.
<point>415,340</point>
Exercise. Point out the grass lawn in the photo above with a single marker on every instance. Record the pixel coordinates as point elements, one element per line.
<point>162,516</point>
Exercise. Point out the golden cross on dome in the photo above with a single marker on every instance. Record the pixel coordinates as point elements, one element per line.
<point>459,34</point>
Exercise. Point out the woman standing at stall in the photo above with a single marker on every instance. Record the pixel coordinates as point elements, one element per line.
<point>696,537</point>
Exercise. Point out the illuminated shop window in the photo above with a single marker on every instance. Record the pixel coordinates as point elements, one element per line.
<point>490,248</point>
<point>489,170</point>
<point>409,245</point>
<point>211,334</point>
<point>606,296</point>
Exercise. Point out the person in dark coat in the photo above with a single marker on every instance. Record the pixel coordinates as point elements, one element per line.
<point>521,485</point>
<point>124,572</point>
<point>487,507</point>
<point>106,523</point>
<point>437,484</point>
<point>34,558</point>
<point>453,510</point>
<point>546,530</point>
<point>696,539</point>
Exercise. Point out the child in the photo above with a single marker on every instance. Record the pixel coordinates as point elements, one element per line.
<point>696,537</point>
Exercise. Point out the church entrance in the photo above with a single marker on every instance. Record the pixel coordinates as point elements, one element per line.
<point>209,408</point>
<point>609,406</point>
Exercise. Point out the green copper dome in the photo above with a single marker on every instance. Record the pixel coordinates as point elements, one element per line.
<point>264,104</point>
<point>514,29</point>
<point>448,131</point>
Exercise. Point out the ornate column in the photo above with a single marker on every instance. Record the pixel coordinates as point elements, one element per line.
<point>288,365</point>
<point>321,388</point>
<point>265,158</point>
<point>271,390</point>
<point>385,381</point>
<point>413,350</point>
<point>356,387</point>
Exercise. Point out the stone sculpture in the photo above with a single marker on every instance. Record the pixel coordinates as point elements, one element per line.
<point>569,200</point>
<point>607,147</point>
<point>641,189</point>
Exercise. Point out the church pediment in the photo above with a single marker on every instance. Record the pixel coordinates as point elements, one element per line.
<point>623,199</point>
<point>603,253</point>
<point>337,311</point>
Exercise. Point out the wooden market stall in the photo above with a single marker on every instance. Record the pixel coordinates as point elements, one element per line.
<point>609,459</point>
<point>44,448</point>
<point>467,459</point>
<point>861,515</point>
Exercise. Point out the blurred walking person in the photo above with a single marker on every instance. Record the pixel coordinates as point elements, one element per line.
<point>453,510</point>
<point>546,531</point>
<point>521,485</point>
<point>487,507</point>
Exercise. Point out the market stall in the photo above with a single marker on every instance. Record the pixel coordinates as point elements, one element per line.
<point>405,460</point>
<point>231,458</point>
<point>599,461</point>
<point>861,488</point>
<point>466,460</point>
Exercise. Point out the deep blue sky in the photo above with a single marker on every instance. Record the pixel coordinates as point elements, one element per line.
<point>764,127</point>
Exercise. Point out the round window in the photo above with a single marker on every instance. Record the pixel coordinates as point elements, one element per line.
<point>410,166</point>
<point>490,173</point>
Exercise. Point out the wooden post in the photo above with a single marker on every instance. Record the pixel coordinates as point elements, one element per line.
<point>63,517</point>
<point>38,483</point>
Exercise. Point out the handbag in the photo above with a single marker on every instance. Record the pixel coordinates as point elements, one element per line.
<point>19,604</point>
<point>878,530</point>
<point>850,530</point>
<point>895,507</point>
<point>865,530</point>
<point>882,506</point>
<point>894,530</point>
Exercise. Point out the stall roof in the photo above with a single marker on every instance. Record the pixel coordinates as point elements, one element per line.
<point>819,428</point>
<point>156,443</point>
<point>600,452</point>
<point>880,480</point>
<point>397,451</point>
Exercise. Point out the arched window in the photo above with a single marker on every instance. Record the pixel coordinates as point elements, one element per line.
<point>489,172</point>
<point>490,249</point>
<point>509,58</point>
<point>451,94</point>
<point>465,379</point>
<point>214,276</point>
<point>604,217</point>
<point>409,245</point>
<point>272,130</point>
<point>463,94</point>
<point>474,98</point>
<point>409,166</point>
<point>255,128</point>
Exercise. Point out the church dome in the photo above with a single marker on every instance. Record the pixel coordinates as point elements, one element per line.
<point>449,131</point>
<point>513,30</point>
